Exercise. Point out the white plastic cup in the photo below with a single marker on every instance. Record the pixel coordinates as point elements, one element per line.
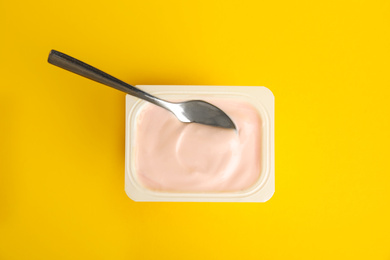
<point>261,99</point>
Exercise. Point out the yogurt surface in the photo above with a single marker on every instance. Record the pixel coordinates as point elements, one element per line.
<point>171,156</point>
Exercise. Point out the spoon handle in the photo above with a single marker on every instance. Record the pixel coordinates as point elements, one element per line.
<point>76,66</point>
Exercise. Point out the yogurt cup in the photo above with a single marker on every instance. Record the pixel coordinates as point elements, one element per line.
<point>260,98</point>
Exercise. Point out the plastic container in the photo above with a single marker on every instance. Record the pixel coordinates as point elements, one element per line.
<point>263,101</point>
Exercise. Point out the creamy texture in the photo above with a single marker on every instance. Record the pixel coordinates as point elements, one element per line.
<point>172,156</point>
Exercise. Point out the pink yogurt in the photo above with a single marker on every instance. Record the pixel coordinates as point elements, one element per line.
<point>171,156</point>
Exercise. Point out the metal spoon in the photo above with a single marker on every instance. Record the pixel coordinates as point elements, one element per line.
<point>196,111</point>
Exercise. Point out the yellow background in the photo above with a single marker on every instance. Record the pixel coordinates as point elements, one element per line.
<point>62,136</point>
